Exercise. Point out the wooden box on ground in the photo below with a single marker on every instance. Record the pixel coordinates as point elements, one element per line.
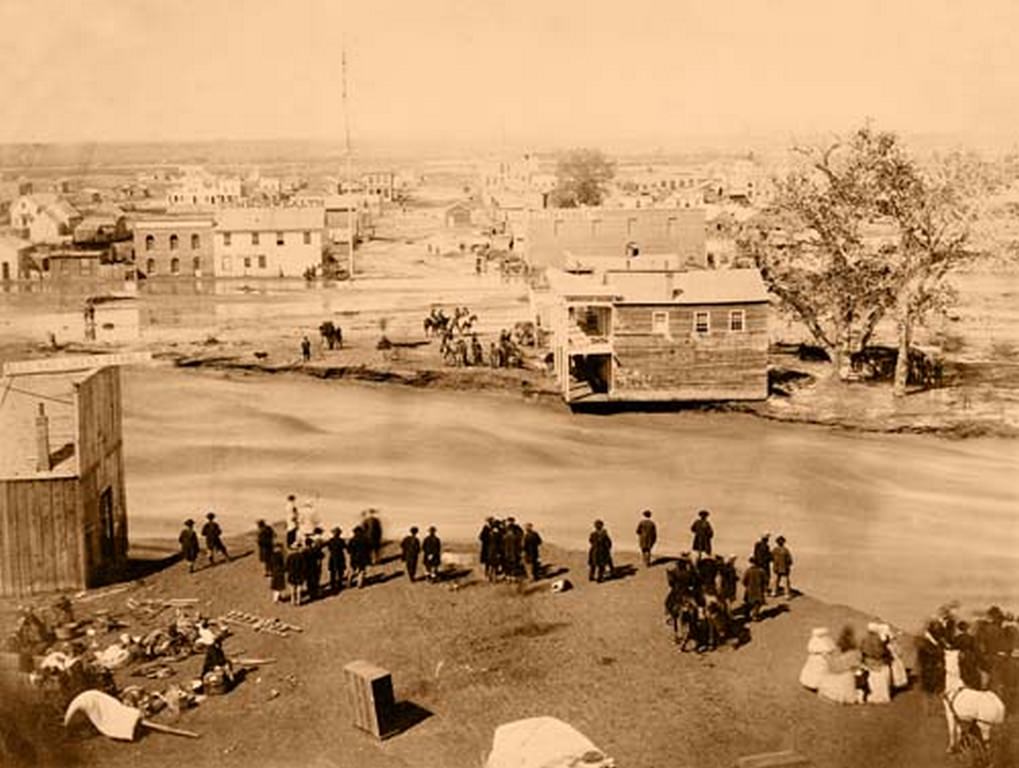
<point>784,759</point>
<point>370,689</point>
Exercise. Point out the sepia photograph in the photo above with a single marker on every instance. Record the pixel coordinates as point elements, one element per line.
<point>509,384</point>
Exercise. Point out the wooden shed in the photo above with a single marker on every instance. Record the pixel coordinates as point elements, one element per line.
<point>63,515</point>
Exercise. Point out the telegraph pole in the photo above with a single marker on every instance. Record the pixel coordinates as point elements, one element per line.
<point>349,174</point>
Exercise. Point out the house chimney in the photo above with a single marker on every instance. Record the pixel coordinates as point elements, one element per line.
<point>42,440</point>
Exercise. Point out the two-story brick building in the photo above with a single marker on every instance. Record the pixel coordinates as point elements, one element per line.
<point>175,246</point>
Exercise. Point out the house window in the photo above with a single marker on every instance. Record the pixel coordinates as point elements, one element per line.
<point>595,224</point>
<point>150,242</point>
<point>279,238</point>
<point>84,268</point>
<point>196,242</point>
<point>226,239</point>
<point>261,261</point>
<point>737,321</point>
<point>174,266</point>
<point>174,241</point>
<point>254,238</point>
<point>660,322</point>
<point>701,322</point>
<point>247,262</point>
<point>227,266</point>
<point>307,238</point>
<point>150,267</point>
<point>196,265</point>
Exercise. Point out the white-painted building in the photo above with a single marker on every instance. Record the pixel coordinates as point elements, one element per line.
<point>198,188</point>
<point>267,242</point>
<point>43,217</point>
<point>12,248</point>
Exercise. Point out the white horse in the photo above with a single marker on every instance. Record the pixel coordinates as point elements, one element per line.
<point>965,705</point>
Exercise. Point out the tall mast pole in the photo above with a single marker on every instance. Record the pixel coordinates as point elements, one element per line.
<point>350,185</point>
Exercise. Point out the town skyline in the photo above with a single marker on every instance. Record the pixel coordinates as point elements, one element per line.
<point>448,73</point>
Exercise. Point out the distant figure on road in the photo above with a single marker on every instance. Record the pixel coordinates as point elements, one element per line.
<point>702,534</point>
<point>782,560</point>
<point>266,537</point>
<point>762,554</point>
<point>306,349</point>
<point>647,535</point>
<point>532,550</point>
<point>599,555</point>
<point>337,560</point>
<point>410,547</point>
<point>189,544</point>
<point>212,534</point>
<point>432,548</point>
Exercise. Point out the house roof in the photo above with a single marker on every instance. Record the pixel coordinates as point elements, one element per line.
<point>269,219</point>
<point>20,397</point>
<point>719,286</point>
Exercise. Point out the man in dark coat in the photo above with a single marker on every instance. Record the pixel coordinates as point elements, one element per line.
<point>647,535</point>
<point>512,548</point>
<point>707,571</point>
<point>360,554</point>
<point>277,573</point>
<point>295,572</point>
<point>312,567</point>
<point>702,534</point>
<point>212,534</point>
<point>599,555</point>
<point>337,560</point>
<point>266,536</point>
<point>189,544</point>
<point>410,548</point>
<point>306,349</point>
<point>755,583</point>
<point>532,550</point>
<point>493,564</point>
<point>762,554</point>
<point>373,531</point>
<point>782,561</point>
<point>483,538</point>
<point>432,549</point>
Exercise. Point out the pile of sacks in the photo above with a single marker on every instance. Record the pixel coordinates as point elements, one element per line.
<point>845,672</point>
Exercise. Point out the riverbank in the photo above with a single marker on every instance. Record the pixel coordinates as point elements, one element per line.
<point>467,656</point>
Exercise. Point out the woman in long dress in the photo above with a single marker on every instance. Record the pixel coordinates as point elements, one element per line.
<point>876,660</point>
<point>819,648</point>
<point>839,684</point>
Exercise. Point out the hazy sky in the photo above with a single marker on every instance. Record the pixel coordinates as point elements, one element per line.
<point>548,72</point>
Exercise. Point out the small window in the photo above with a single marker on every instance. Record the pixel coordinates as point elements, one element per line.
<point>174,242</point>
<point>150,267</point>
<point>737,321</point>
<point>174,266</point>
<point>84,267</point>
<point>227,266</point>
<point>307,238</point>
<point>226,239</point>
<point>254,238</point>
<point>701,322</point>
<point>660,322</point>
<point>196,264</point>
<point>279,238</point>
<point>150,242</point>
<point>196,242</point>
<point>595,225</point>
<point>261,261</point>
<point>247,262</point>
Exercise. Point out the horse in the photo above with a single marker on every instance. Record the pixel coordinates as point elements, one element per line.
<point>966,706</point>
<point>682,612</point>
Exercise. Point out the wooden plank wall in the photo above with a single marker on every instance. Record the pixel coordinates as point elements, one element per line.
<point>685,365</point>
<point>40,546</point>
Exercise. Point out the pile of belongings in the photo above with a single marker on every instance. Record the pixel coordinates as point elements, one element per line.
<point>544,742</point>
<point>260,624</point>
<point>70,671</point>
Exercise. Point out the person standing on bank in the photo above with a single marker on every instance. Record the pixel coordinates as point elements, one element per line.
<point>432,548</point>
<point>702,534</point>
<point>782,562</point>
<point>410,547</point>
<point>213,536</point>
<point>293,518</point>
<point>337,560</point>
<point>266,536</point>
<point>373,530</point>
<point>295,572</point>
<point>532,550</point>
<point>599,555</point>
<point>360,555</point>
<point>306,349</point>
<point>762,554</point>
<point>277,573</point>
<point>647,535</point>
<point>189,544</point>
<point>755,583</point>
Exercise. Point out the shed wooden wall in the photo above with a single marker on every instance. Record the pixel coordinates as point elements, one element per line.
<point>40,537</point>
<point>683,365</point>
<point>101,465</point>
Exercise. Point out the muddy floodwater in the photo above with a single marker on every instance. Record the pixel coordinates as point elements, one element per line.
<point>892,524</point>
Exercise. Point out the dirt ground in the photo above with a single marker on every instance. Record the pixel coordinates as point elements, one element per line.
<point>467,655</point>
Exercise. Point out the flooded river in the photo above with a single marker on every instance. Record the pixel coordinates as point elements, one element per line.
<point>888,523</point>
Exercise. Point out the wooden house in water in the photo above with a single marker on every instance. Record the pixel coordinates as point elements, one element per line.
<point>658,335</point>
<point>63,514</point>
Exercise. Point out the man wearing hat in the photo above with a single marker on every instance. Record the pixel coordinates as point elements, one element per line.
<point>762,555</point>
<point>647,535</point>
<point>782,560</point>
<point>702,534</point>
<point>432,548</point>
<point>599,555</point>
<point>532,550</point>
<point>189,544</point>
<point>337,560</point>
<point>410,548</point>
<point>293,518</point>
<point>266,536</point>
<point>212,534</point>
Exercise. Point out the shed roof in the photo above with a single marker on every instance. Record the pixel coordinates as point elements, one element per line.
<point>268,219</point>
<point>20,397</point>
<point>719,286</point>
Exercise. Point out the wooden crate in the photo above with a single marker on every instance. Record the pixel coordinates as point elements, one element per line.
<point>370,689</point>
<point>784,759</point>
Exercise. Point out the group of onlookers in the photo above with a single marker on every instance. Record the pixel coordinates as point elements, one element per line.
<point>508,551</point>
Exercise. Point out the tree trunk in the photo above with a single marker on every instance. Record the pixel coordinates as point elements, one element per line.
<point>905,327</point>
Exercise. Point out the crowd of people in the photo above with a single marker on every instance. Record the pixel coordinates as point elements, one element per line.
<point>845,671</point>
<point>508,552</point>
